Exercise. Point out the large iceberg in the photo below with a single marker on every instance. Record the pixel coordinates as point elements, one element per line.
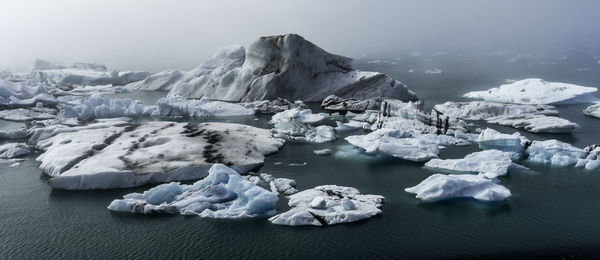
<point>491,163</point>
<point>328,205</point>
<point>442,187</point>
<point>593,110</point>
<point>13,150</point>
<point>529,117</point>
<point>554,152</point>
<point>286,66</point>
<point>395,143</point>
<point>222,194</point>
<point>117,154</point>
<point>537,91</point>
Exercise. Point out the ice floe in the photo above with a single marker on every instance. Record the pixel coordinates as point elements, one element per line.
<point>295,125</point>
<point>222,194</point>
<point>395,143</point>
<point>180,106</point>
<point>537,91</point>
<point>116,154</point>
<point>491,163</point>
<point>442,187</point>
<point>514,144</point>
<point>592,158</point>
<point>329,205</point>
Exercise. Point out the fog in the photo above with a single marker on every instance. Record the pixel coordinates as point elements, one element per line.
<point>155,35</point>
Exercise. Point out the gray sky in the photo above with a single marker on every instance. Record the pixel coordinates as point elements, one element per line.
<point>155,35</point>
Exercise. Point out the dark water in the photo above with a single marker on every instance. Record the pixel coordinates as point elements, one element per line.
<point>553,211</point>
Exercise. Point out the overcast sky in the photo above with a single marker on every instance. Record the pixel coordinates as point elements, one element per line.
<point>155,35</point>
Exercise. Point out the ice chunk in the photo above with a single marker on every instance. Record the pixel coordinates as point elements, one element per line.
<point>395,143</point>
<point>222,194</point>
<point>442,187</point>
<point>115,155</point>
<point>328,205</point>
<point>294,125</point>
<point>554,152</point>
<point>491,163</point>
<point>22,95</point>
<point>335,103</point>
<point>536,91</point>
<point>98,106</point>
<point>13,150</point>
<point>267,107</point>
<point>304,116</point>
<point>180,106</point>
<point>492,139</point>
<point>593,110</point>
<point>351,125</point>
<point>322,152</point>
<point>28,114</point>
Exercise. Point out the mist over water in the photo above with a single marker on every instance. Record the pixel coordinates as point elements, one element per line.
<point>156,35</point>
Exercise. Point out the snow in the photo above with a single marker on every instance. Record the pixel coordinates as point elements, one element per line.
<point>554,152</point>
<point>593,110</point>
<point>117,154</point>
<point>490,163</point>
<point>290,67</point>
<point>222,194</point>
<point>13,150</point>
<point>322,152</point>
<point>492,139</point>
<point>532,118</point>
<point>395,143</point>
<point>537,91</point>
<point>329,205</point>
<point>442,187</point>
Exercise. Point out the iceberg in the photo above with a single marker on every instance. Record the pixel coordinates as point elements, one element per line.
<point>537,91</point>
<point>22,95</point>
<point>554,152</point>
<point>279,185</point>
<point>395,143</point>
<point>88,90</point>
<point>529,117</point>
<point>286,66</point>
<point>13,150</point>
<point>27,114</point>
<point>162,81</point>
<point>79,73</point>
<point>98,106</point>
<point>296,125</point>
<point>335,103</point>
<point>275,106</point>
<point>351,125</point>
<point>593,110</point>
<point>222,194</point>
<point>490,163</point>
<point>322,152</point>
<point>300,115</point>
<point>118,154</point>
<point>329,205</point>
<point>180,106</point>
<point>442,187</point>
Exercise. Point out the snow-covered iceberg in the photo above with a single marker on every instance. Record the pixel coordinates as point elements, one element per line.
<point>491,163</point>
<point>117,154</point>
<point>442,187</point>
<point>554,152</point>
<point>395,143</point>
<point>328,205</point>
<point>537,91</point>
<point>286,66</point>
<point>296,125</point>
<point>222,194</point>
<point>13,150</point>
